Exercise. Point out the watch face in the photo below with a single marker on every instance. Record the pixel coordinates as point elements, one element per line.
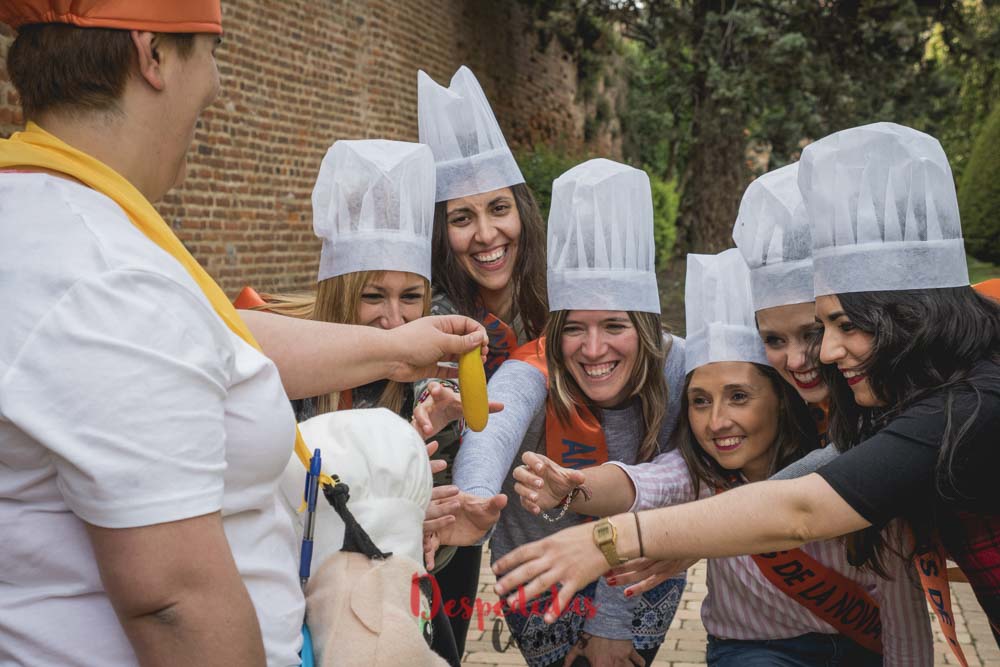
<point>603,532</point>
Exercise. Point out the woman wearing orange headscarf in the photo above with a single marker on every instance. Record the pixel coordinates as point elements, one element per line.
<point>142,431</point>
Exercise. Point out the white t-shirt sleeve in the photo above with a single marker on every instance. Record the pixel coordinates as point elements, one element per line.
<point>122,384</point>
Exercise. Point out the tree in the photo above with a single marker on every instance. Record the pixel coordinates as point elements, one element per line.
<point>979,196</point>
<point>714,78</point>
<point>966,51</point>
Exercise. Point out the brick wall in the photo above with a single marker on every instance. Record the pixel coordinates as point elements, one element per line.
<point>300,74</point>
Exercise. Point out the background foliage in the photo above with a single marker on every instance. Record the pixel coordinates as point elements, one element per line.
<point>979,196</point>
<point>719,91</point>
<point>543,164</point>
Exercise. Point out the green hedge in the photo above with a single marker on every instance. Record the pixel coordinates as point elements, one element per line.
<point>979,193</point>
<point>542,165</point>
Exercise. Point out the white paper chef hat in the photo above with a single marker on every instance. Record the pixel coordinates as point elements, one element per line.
<point>772,232</point>
<point>884,216</point>
<point>600,240</point>
<point>384,463</point>
<point>373,207</point>
<point>719,311</point>
<point>458,124</point>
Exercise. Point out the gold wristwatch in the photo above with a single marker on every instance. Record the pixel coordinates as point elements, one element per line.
<point>605,537</point>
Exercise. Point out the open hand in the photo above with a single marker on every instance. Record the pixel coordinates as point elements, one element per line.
<point>442,406</point>
<point>568,558</point>
<point>542,484</point>
<point>643,574</point>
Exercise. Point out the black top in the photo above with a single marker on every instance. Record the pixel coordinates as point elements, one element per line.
<point>892,474</point>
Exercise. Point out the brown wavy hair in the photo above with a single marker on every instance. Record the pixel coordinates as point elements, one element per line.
<point>336,300</point>
<point>529,299</point>
<point>796,434</point>
<point>646,381</point>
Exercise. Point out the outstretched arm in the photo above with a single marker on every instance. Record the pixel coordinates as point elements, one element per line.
<point>755,518</point>
<point>317,358</point>
<point>484,458</point>
<point>542,484</point>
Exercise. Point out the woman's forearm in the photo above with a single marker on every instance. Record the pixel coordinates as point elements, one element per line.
<point>611,492</point>
<point>754,518</point>
<point>484,458</point>
<point>316,358</point>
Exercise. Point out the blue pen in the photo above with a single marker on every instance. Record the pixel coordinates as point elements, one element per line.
<point>311,494</point>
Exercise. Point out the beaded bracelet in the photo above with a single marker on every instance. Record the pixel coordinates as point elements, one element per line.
<point>567,501</point>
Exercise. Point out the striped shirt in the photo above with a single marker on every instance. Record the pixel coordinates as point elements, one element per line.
<point>742,604</point>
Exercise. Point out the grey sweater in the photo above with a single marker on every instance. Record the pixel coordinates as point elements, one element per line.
<point>485,462</point>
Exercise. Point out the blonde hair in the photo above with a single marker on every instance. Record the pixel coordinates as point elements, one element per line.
<point>336,300</point>
<point>646,380</point>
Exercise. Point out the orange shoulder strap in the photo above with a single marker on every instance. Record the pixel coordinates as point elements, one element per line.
<point>990,288</point>
<point>827,594</point>
<point>502,341</point>
<point>933,571</point>
<point>578,444</point>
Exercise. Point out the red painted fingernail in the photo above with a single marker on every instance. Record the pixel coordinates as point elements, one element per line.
<point>612,581</point>
<point>628,594</point>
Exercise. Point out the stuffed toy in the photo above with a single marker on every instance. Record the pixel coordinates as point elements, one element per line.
<point>368,541</point>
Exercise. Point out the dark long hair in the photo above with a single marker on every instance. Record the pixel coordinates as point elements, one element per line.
<point>796,435</point>
<point>924,341</point>
<point>530,299</point>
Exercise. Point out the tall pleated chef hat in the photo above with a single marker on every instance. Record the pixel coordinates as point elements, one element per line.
<point>470,152</point>
<point>373,207</point>
<point>884,215</point>
<point>600,240</point>
<point>719,311</point>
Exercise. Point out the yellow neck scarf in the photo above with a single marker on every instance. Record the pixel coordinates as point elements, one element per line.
<point>37,149</point>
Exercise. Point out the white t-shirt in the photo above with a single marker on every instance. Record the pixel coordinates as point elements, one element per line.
<point>124,401</point>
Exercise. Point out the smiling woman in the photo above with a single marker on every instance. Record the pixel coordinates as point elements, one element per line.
<point>740,422</point>
<point>489,254</point>
<point>488,251</point>
<point>373,210</point>
<point>887,244</point>
<point>602,384</point>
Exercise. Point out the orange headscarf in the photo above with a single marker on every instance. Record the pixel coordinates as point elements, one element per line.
<point>203,16</point>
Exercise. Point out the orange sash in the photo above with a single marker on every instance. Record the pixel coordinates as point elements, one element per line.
<point>933,573</point>
<point>820,413</point>
<point>827,594</point>
<point>502,341</point>
<point>248,298</point>
<point>578,444</point>
<point>990,288</point>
